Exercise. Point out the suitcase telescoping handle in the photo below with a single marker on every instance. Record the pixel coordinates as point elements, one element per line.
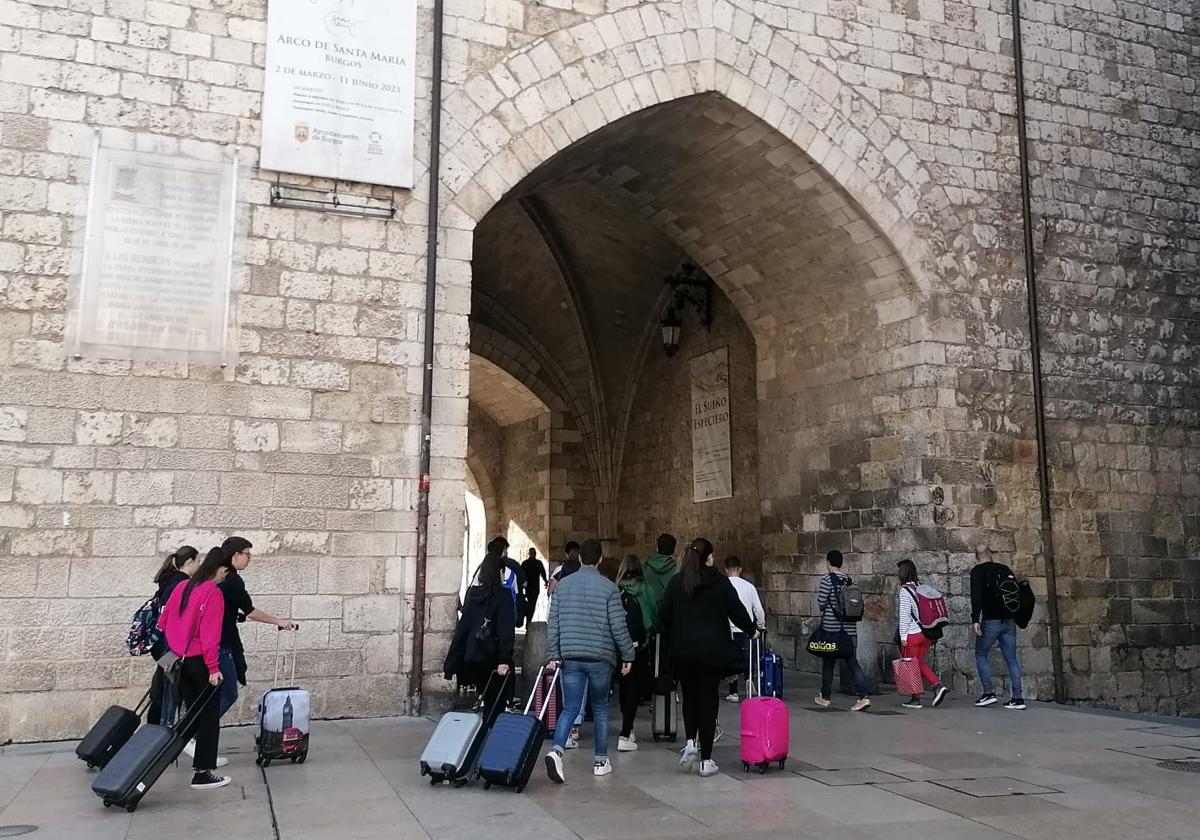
<point>499,694</point>
<point>292,678</point>
<point>549,692</point>
<point>753,673</point>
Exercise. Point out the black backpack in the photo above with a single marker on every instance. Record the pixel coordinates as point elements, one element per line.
<point>633,618</point>
<point>1007,592</point>
<point>1028,602</point>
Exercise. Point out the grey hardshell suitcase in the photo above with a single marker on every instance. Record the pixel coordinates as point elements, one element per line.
<point>129,775</point>
<point>451,752</point>
<point>664,710</point>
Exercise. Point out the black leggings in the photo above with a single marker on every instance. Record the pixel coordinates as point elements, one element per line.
<point>700,687</point>
<point>631,688</point>
<point>205,727</point>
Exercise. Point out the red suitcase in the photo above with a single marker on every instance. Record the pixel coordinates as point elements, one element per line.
<point>764,726</point>
<point>548,681</point>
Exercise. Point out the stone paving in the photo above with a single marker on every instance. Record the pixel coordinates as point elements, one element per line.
<point>935,774</point>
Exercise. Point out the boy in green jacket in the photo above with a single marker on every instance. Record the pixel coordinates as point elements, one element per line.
<point>658,571</point>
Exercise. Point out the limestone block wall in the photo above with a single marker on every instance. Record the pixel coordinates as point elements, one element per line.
<point>656,494</point>
<point>309,445</point>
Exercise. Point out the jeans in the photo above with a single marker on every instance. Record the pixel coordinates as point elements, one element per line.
<point>1004,632</point>
<point>828,664</point>
<point>206,727</point>
<point>917,645</point>
<point>579,680</point>
<point>229,683</point>
<point>699,687</point>
<point>164,700</point>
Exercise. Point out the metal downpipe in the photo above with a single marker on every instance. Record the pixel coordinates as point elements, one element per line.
<point>417,666</point>
<point>1035,348</point>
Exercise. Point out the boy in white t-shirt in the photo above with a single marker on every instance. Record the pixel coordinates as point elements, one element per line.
<point>750,600</point>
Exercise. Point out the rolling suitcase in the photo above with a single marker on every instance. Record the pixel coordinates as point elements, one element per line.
<point>455,743</point>
<point>283,718</point>
<point>135,768</point>
<point>771,684</point>
<point>764,726</point>
<point>511,747</point>
<point>115,727</point>
<point>540,692</point>
<point>664,710</point>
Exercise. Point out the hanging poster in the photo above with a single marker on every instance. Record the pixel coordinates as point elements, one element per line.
<point>712,470</point>
<point>156,261</point>
<point>340,89</point>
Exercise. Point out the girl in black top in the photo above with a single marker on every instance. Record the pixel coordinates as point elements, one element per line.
<point>696,610</point>
<point>485,635</point>
<point>178,567</point>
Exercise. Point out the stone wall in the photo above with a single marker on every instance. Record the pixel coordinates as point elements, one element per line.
<point>888,129</point>
<point>524,487</point>
<point>655,494</point>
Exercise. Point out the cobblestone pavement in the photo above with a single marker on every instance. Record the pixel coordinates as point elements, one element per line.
<point>953,772</point>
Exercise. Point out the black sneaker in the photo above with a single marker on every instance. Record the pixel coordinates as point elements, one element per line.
<point>1015,703</point>
<point>939,694</point>
<point>207,779</point>
<point>986,700</point>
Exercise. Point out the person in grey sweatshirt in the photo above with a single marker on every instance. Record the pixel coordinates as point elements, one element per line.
<point>587,637</point>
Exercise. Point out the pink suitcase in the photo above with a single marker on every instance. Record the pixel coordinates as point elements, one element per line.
<point>765,728</point>
<point>543,683</point>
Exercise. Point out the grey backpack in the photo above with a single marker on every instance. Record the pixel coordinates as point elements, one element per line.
<point>847,599</point>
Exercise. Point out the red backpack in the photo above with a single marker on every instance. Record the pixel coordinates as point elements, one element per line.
<point>932,613</point>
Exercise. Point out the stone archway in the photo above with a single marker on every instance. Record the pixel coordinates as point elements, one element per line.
<point>806,210</point>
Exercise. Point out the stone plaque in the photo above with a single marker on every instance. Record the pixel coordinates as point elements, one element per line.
<point>157,259</point>
<point>339,94</point>
<point>712,470</point>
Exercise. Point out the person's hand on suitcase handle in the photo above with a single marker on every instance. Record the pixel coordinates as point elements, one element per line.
<point>626,667</point>
<point>502,669</point>
<point>214,679</point>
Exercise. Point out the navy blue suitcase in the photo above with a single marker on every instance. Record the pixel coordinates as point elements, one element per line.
<point>511,748</point>
<point>772,676</point>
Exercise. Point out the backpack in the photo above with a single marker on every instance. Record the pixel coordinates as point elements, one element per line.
<point>847,601</point>
<point>1007,591</point>
<point>932,613</point>
<point>144,633</point>
<point>633,618</point>
<point>1028,601</point>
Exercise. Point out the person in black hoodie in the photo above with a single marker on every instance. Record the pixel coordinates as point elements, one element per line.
<point>178,567</point>
<point>697,608</point>
<point>485,634</point>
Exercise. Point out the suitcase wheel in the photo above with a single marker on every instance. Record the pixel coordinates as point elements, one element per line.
<point>107,804</point>
<point>518,788</point>
<point>132,806</point>
<point>487,785</point>
<point>745,767</point>
<point>460,782</point>
<point>266,762</point>
<point>782,761</point>
<point>259,761</point>
<point>300,758</point>
<point>762,768</point>
<point>434,781</point>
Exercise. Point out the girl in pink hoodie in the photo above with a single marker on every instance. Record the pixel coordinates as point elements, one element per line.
<point>191,623</point>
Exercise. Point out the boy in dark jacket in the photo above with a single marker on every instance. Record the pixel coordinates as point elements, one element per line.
<point>993,623</point>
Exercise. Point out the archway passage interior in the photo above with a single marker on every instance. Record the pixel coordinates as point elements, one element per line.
<point>832,397</point>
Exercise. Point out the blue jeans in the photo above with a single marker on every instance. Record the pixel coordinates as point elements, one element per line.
<point>229,683</point>
<point>1004,632</point>
<point>580,679</point>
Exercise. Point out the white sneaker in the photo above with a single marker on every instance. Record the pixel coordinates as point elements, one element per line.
<point>572,740</point>
<point>189,749</point>
<point>629,744</point>
<point>602,768</point>
<point>732,697</point>
<point>688,755</point>
<point>554,766</point>
<point>709,768</point>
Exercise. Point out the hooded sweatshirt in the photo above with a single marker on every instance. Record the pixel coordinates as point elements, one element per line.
<point>195,630</point>
<point>697,626</point>
<point>658,571</point>
<point>638,588</point>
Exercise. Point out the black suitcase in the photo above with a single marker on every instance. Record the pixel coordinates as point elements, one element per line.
<point>110,733</point>
<point>135,768</point>
<point>510,749</point>
<point>664,713</point>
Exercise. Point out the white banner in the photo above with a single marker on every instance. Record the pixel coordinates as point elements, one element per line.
<point>712,470</point>
<point>156,262</point>
<point>340,89</point>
